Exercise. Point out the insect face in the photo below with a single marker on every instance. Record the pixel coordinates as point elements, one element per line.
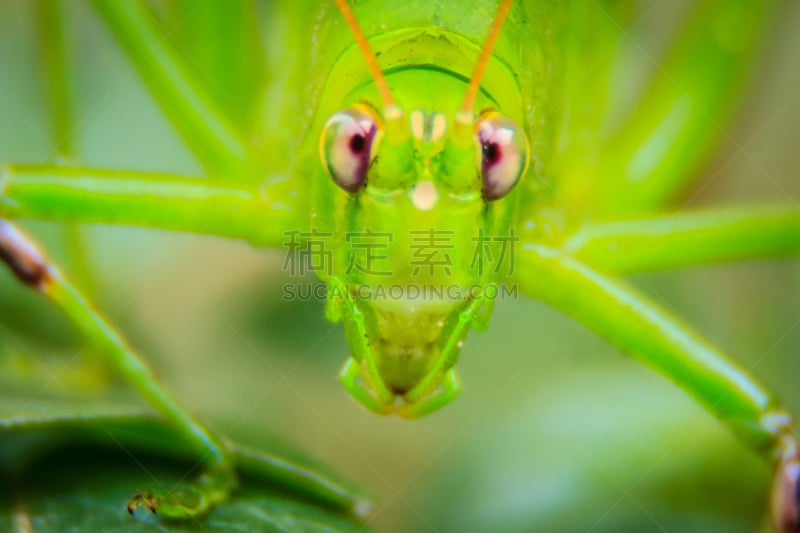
<point>413,203</point>
<point>414,184</point>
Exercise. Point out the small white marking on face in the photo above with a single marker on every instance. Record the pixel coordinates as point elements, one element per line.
<point>439,125</point>
<point>424,195</point>
<point>417,124</point>
<point>460,344</point>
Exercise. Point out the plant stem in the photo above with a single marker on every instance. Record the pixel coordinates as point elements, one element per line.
<point>684,111</point>
<point>206,130</point>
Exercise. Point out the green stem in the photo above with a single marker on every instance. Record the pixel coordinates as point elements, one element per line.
<point>212,486</point>
<point>678,120</point>
<point>259,215</point>
<point>641,329</point>
<point>189,499</point>
<point>221,45</point>
<point>51,17</point>
<point>57,85</point>
<point>207,131</point>
<point>687,239</point>
<point>71,302</point>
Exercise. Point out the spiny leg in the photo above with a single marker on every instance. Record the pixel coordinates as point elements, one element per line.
<point>643,330</point>
<point>190,499</point>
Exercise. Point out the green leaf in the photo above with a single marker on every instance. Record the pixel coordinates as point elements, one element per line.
<point>86,488</point>
<point>69,465</point>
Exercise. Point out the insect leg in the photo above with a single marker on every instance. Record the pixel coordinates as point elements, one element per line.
<point>342,307</point>
<point>688,239</point>
<point>351,378</point>
<point>447,391</point>
<point>640,328</point>
<point>679,117</point>
<point>211,487</point>
<point>260,213</point>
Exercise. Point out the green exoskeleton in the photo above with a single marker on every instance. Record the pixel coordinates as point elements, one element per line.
<point>421,167</point>
<point>432,133</point>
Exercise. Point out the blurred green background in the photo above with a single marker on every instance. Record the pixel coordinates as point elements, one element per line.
<point>555,430</point>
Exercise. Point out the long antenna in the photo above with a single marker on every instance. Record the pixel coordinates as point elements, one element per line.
<point>480,66</point>
<point>369,57</point>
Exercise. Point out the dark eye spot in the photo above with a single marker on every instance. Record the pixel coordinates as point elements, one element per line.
<point>357,143</point>
<point>346,149</point>
<point>491,153</point>
<point>504,154</point>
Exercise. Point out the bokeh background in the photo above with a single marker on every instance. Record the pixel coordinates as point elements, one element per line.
<point>555,430</point>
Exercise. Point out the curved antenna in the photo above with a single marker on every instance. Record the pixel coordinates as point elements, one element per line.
<point>480,66</point>
<point>369,57</point>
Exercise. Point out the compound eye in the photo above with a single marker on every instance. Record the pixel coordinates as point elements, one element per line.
<point>346,147</point>
<point>504,154</point>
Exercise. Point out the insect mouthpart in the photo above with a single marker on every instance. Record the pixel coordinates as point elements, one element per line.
<point>404,353</point>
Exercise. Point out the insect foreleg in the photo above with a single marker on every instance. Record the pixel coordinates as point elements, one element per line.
<point>211,487</point>
<point>643,330</point>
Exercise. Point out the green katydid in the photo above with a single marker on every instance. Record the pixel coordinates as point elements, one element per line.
<point>421,128</point>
